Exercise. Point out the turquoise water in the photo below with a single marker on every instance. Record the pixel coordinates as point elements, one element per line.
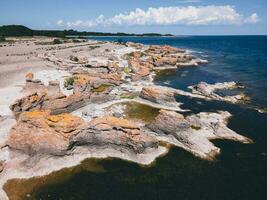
<point>240,172</point>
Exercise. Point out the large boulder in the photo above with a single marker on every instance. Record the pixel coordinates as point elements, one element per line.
<point>40,132</point>
<point>159,95</point>
<point>116,133</point>
<point>140,68</point>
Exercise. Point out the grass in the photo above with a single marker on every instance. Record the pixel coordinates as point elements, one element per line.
<point>93,47</point>
<point>195,127</point>
<point>54,42</point>
<point>74,58</point>
<point>101,88</point>
<point>2,39</point>
<point>69,81</point>
<point>127,96</point>
<point>127,70</point>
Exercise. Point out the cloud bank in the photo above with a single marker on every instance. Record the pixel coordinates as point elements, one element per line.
<point>190,15</point>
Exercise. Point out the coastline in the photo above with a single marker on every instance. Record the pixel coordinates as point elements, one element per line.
<point>147,157</point>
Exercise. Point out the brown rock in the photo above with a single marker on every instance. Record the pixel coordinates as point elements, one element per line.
<point>168,122</point>
<point>40,132</point>
<point>156,49</point>
<point>166,60</point>
<point>158,95</point>
<point>29,77</point>
<point>114,132</point>
<point>140,68</point>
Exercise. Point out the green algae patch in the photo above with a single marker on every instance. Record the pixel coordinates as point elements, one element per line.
<point>138,111</point>
<point>127,96</point>
<point>127,70</point>
<point>101,88</point>
<point>19,189</point>
<point>195,127</point>
<point>69,81</point>
<point>165,72</point>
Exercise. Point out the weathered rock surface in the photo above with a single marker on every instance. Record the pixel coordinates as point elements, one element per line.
<point>86,89</point>
<point>119,133</point>
<point>40,132</point>
<point>159,95</point>
<point>156,49</point>
<point>194,132</point>
<point>140,68</point>
<point>209,90</point>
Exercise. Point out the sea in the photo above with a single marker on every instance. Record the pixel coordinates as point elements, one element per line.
<point>238,173</point>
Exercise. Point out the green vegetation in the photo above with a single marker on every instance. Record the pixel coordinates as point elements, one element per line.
<point>69,81</point>
<point>93,47</point>
<point>130,55</point>
<point>2,39</point>
<point>195,127</point>
<point>127,70</point>
<point>74,58</point>
<point>127,96</point>
<point>19,30</point>
<point>57,41</point>
<point>101,88</point>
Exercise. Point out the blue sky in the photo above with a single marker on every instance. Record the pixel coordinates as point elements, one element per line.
<point>181,17</point>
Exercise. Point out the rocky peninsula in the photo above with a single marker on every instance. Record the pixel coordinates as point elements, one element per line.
<point>67,102</point>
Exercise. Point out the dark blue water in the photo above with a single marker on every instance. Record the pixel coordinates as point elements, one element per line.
<point>239,173</point>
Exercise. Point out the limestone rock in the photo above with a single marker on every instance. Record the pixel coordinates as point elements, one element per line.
<point>40,132</point>
<point>159,95</point>
<point>156,49</point>
<point>194,132</point>
<point>119,133</point>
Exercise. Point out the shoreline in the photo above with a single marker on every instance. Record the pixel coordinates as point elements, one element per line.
<point>151,95</point>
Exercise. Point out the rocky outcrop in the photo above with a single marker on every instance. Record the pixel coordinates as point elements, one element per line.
<point>209,90</point>
<point>159,95</point>
<point>87,83</point>
<point>156,49</point>
<point>194,132</point>
<point>140,68</point>
<point>60,103</point>
<point>40,132</point>
<point>85,89</point>
<point>120,134</point>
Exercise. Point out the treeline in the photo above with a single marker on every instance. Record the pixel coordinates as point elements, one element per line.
<point>20,30</point>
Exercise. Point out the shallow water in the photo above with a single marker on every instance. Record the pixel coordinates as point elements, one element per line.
<point>240,172</point>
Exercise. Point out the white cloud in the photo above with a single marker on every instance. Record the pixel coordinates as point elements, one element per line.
<point>60,22</point>
<point>189,1</point>
<point>190,15</point>
<point>254,18</point>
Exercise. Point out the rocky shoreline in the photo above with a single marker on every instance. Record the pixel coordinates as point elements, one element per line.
<point>81,114</point>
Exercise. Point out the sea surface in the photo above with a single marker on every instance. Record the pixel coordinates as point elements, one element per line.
<point>239,172</point>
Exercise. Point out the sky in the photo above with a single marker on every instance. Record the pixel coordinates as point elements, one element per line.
<point>179,17</point>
